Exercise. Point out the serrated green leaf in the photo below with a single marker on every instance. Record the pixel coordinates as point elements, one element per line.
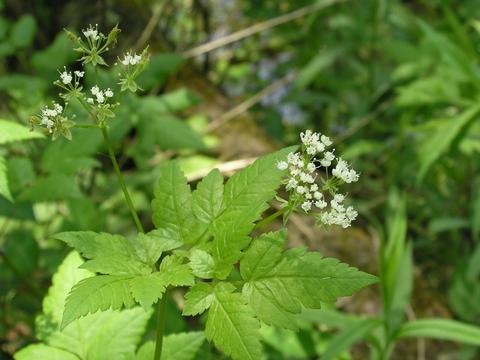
<point>278,284</point>
<point>198,299</point>
<point>208,197</point>
<point>172,206</point>
<point>245,199</point>
<point>175,272</point>
<point>42,351</point>
<point>97,293</point>
<point>4,188</point>
<point>182,346</point>
<point>11,131</point>
<point>67,275</point>
<point>150,246</point>
<point>231,325</point>
<point>103,335</point>
<point>110,254</point>
<point>202,264</point>
<point>147,289</point>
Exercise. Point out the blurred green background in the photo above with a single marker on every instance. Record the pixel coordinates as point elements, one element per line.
<point>395,83</point>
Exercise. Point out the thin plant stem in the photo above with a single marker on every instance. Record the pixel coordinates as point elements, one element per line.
<point>270,218</point>
<point>121,179</point>
<point>160,325</point>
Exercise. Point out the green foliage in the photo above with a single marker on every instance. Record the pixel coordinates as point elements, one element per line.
<point>245,198</point>
<point>444,134</point>
<point>4,188</point>
<point>111,334</point>
<point>183,346</point>
<point>129,272</point>
<point>208,197</point>
<point>172,206</point>
<point>231,324</point>
<point>349,336</point>
<point>23,31</point>
<point>11,131</point>
<point>441,329</point>
<point>278,284</point>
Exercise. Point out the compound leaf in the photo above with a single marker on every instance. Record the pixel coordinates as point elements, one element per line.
<point>279,283</point>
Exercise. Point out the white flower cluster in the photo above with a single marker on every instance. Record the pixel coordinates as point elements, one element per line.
<point>66,76</point>
<point>338,214</point>
<point>49,115</point>
<point>303,184</point>
<point>131,59</point>
<point>342,171</point>
<point>92,33</point>
<point>100,95</point>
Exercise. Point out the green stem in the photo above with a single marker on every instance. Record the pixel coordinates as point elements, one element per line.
<point>270,218</point>
<point>160,325</point>
<point>121,180</point>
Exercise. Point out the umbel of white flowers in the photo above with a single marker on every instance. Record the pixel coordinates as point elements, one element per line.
<point>309,190</point>
<point>100,102</point>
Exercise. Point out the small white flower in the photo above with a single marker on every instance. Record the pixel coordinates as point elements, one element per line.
<point>135,59</point>
<point>109,93</point>
<point>58,108</point>
<point>79,73</point>
<point>311,150</point>
<point>282,165</point>
<point>311,167</point>
<point>301,190</point>
<point>91,32</point>
<point>293,158</point>
<point>292,183</point>
<point>329,156</point>
<point>338,198</point>
<point>351,213</point>
<point>317,195</point>
<point>320,147</point>
<point>308,196</point>
<point>310,179</point>
<point>295,171</point>
<point>321,204</point>
<point>95,90</point>
<point>325,163</point>
<point>66,77</point>
<point>326,140</point>
<point>306,206</point>
<point>100,97</point>
<point>314,187</point>
<point>90,100</point>
<point>126,59</point>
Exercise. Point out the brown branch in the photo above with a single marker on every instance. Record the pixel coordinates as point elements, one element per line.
<point>262,26</point>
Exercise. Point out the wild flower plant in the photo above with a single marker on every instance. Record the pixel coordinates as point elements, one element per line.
<point>210,243</point>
